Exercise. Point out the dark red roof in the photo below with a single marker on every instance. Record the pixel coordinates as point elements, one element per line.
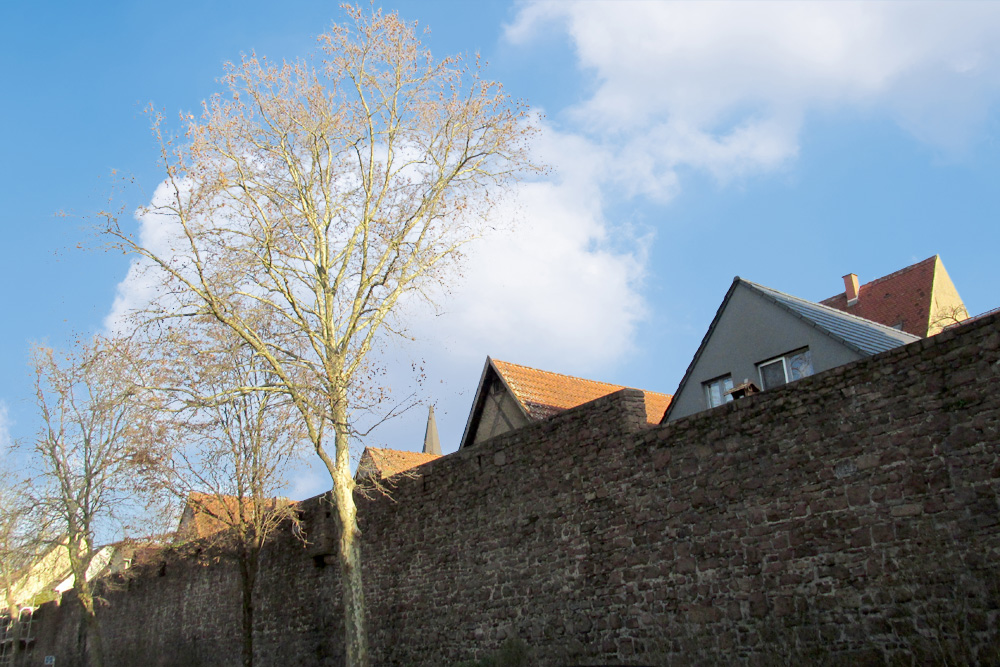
<point>901,299</point>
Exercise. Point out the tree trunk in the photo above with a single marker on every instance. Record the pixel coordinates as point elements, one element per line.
<point>349,551</point>
<point>248,562</point>
<point>355,634</point>
<point>14,629</point>
<point>95,651</point>
<point>78,566</point>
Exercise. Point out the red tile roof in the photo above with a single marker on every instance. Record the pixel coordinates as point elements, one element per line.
<point>543,393</point>
<point>199,517</point>
<point>900,298</point>
<point>388,462</point>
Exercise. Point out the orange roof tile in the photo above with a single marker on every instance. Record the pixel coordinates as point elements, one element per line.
<point>656,405</point>
<point>388,462</point>
<point>900,298</point>
<point>199,517</point>
<point>543,393</point>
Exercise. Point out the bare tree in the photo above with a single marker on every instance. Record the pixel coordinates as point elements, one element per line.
<point>95,430</point>
<point>238,438</point>
<point>311,201</point>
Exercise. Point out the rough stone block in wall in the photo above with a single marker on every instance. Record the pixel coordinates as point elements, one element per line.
<point>850,517</point>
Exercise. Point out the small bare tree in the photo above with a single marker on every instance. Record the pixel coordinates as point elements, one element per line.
<point>238,437</point>
<point>311,201</point>
<point>947,316</point>
<point>95,430</point>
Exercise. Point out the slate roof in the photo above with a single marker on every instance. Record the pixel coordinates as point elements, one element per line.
<point>389,462</point>
<point>857,333</point>
<point>902,297</point>
<point>543,393</point>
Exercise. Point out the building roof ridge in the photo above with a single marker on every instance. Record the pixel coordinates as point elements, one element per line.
<point>387,462</point>
<point>400,451</point>
<point>835,312</point>
<point>576,377</point>
<point>888,276</point>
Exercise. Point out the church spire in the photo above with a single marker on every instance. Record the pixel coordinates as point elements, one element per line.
<point>432,444</point>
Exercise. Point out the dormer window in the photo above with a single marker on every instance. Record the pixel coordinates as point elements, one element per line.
<point>784,369</point>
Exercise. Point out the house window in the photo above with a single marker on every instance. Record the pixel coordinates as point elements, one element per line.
<point>786,368</point>
<point>715,391</point>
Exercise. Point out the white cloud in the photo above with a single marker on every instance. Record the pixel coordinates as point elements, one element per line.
<point>137,289</point>
<point>549,291</point>
<point>725,86</point>
<point>552,285</point>
<point>160,233</point>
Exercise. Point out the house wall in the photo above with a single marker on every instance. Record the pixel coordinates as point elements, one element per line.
<point>752,329</point>
<point>850,517</point>
<point>947,306</point>
<point>52,574</point>
<point>42,576</point>
<point>500,412</point>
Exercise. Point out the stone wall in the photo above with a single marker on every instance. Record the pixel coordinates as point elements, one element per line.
<point>850,517</point>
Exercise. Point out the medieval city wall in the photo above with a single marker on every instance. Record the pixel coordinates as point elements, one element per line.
<point>850,517</point>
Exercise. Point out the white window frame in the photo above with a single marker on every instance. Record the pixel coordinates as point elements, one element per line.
<point>785,367</point>
<point>780,361</point>
<point>721,381</point>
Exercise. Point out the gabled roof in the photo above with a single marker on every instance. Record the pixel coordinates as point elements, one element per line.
<point>198,519</point>
<point>903,298</point>
<point>862,336</point>
<point>206,514</point>
<point>383,463</point>
<point>541,394</point>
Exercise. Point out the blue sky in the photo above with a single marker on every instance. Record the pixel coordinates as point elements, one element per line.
<point>788,143</point>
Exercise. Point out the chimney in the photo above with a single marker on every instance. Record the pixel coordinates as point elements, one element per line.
<point>432,444</point>
<point>851,288</point>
